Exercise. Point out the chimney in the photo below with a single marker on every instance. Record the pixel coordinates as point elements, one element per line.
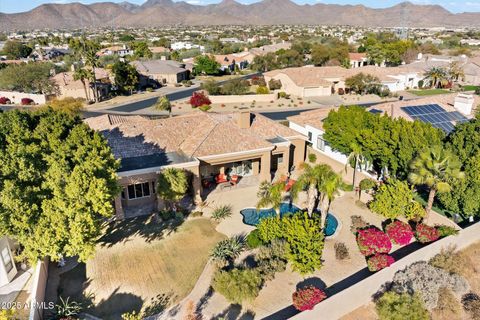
<point>243,119</point>
<point>464,103</point>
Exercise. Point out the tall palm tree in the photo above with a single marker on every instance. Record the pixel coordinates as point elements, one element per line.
<point>328,188</point>
<point>436,76</point>
<point>358,159</point>
<point>435,168</point>
<point>82,75</point>
<point>309,180</point>
<point>92,61</point>
<point>270,194</point>
<point>163,104</point>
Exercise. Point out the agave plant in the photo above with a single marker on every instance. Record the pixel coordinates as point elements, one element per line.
<point>222,212</point>
<point>67,309</point>
<point>226,251</point>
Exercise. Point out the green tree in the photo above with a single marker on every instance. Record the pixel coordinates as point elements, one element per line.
<point>16,50</point>
<point>363,83</point>
<point>126,76</point>
<point>69,105</point>
<point>270,194</point>
<point>310,180</point>
<point>141,50</point>
<point>206,65</point>
<point>396,306</point>
<point>57,181</point>
<point>436,77</point>
<point>264,63</point>
<point>356,159</point>
<point>29,78</point>
<point>435,168</point>
<point>392,199</point>
<point>83,75</point>
<point>238,285</point>
<point>163,104</point>
<point>172,185</point>
<point>331,183</point>
<point>304,238</point>
<point>88,50</point>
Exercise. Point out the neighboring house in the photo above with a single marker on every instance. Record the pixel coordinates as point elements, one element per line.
<point>324,81</point>
<point>8,270</point>
<point>159,50</point>
<point>121,51</point>
<point>229,61</point>
<point>161,72</point>
<point>471,71</point>
<point>204,144</point>
<point>442,111</point>
<point>69,87</point>
<point>43,54</point>
<point>186,46</point>
<point>358,60</point>
<point>271,48</point>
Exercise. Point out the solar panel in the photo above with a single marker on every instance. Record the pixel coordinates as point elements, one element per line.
<point>436,116</point>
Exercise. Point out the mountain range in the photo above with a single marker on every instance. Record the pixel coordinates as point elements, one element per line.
<point>156,13</point>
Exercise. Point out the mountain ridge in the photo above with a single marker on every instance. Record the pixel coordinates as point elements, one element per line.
<point>156,13</point>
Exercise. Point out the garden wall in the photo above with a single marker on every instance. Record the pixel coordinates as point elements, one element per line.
<point>361,293</point>
<point>249,98</point>
<point>16,97</point>
<point>37,295</point>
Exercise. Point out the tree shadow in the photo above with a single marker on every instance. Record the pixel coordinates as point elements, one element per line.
<point>234,312</point>
<point>117,304</point>
<point>313,281</point>
<point>204,300</point>
<point>158,304</point>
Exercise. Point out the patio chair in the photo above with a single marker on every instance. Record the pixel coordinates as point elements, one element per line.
<point>289,184</point>
<point>221,178</point>
<point>234,179</point>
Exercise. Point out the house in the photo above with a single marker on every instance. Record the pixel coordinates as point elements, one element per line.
<point>324,81</point>
<point>180,45</point>
<point>205,145</point>
<point>161,72</point>
<point>442,111</point>
<point>229,61</point>
<point>471,71</point>
<point>159,50</point>
<point>8,270</point>
<point>121,51</point>
<point>271,48</point>
<point>43,54</point>
<point>357,60</point>
<point>69,87</point>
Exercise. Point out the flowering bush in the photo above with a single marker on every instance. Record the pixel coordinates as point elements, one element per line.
<point>372,241</point>
<point>4,100</point>
<point>426,234</point>
<point>399,232</point>
<point>379,261</point>
<point>199,99</point>
<point>307,298</point>
<point>26,101</point>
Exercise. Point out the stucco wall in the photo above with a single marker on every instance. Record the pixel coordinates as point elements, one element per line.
<point>361,293</point>
<point>6,277</point>
<point>37,295</point>
<point>16,97</point>
<point>244,98</point>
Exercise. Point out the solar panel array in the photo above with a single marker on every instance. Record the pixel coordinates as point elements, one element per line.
<point>436,116</point>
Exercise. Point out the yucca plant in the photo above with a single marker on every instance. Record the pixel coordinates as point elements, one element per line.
<point>67,309</point>
<point>226,251</point>
<point>222,212</point>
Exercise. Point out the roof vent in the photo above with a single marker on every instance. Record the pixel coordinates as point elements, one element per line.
<point>464,103</point>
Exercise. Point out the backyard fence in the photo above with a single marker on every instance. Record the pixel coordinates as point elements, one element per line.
<point>37,295</point>
<point>361,293</point>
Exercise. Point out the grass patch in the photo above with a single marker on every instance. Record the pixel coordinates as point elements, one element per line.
<point>428,92</point>
<point>149,268</point>
<point>470,88</point>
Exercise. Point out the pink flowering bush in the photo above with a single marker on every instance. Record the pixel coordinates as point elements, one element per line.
<point>399,232</point>
<point>307,298</point>
<point>372,241</point>
<point>379,261</point>
<point>425,233</point>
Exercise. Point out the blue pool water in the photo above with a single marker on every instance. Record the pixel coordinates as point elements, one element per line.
<point>252,216</point>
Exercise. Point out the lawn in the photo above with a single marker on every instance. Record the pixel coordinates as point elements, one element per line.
<point>470,88</point>
<point>142,265</point>
<point>428,92</point>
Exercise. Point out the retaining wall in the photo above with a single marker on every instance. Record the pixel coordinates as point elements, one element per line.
<point>249,98</point>
<point>16,97</point>
<point>361,293</point>
<point>37,295</point>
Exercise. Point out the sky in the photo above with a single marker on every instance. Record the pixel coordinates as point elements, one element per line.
<point>10,6</point>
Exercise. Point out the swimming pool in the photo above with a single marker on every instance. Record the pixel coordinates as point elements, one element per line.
<point>252,216</point>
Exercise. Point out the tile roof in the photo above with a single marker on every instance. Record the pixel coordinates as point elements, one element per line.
<point>159,67</point>
<point>313,118</point>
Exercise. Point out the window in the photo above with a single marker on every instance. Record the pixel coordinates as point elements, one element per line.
<point>310,136</point>
<point>139,190</point>
<point>280,159</point>
<point>7,260</point>
<point>320,143</point>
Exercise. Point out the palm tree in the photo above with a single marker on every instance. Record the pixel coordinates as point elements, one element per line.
<point>436,76</point>
<point>82,75</point>
<point>455,71</point>
<point>358,159</point>
<point>309,180</point>
<point>270,194</point>
<point>163,104</point>
<point>92,61</point>
<point>330,184</point>
<point>435,168</point>
<point>172,185</point>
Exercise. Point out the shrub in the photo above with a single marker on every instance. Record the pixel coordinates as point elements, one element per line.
<point>205,108</point>
<point>445,231</point>
<point>471,304</point>
<point>271,259</point>
<point>392,199</point>
<point>399,232</point>
<point>262,90</point>
<point>196,214</point>
<point>367,184</point>
<point>235,87</point>
<point>226,251</point>
<point>357,223</point>
<point>258,81</point>
<point>448,305</point>
<point>420,84</point>
<point>4,100</point>
<point>270,229</point>
<point>307,298</point>
<point>372,241</point>
<point>67,309</point>
<point>414,211</point>
<point>26,101</point>
<point>131,316</point>
<point>222,212</point>
<point>448,260</point>
<point>212,87</point>
<point>274,84</point>
<point>425,233</point>
<point>379,262</point>
<point>237,285</point>
<point>149,89</point>
<point>199,99</point>
<point>253,239</point>
<point>395,306</point>
<point>341,251</point>
<point>282,94</point>
<point>312,157</point>
<point>341,91</point>
<point>167,215</point>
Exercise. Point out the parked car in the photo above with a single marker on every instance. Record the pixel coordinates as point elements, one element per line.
<point>4,100</point>
<point>27,102</point>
